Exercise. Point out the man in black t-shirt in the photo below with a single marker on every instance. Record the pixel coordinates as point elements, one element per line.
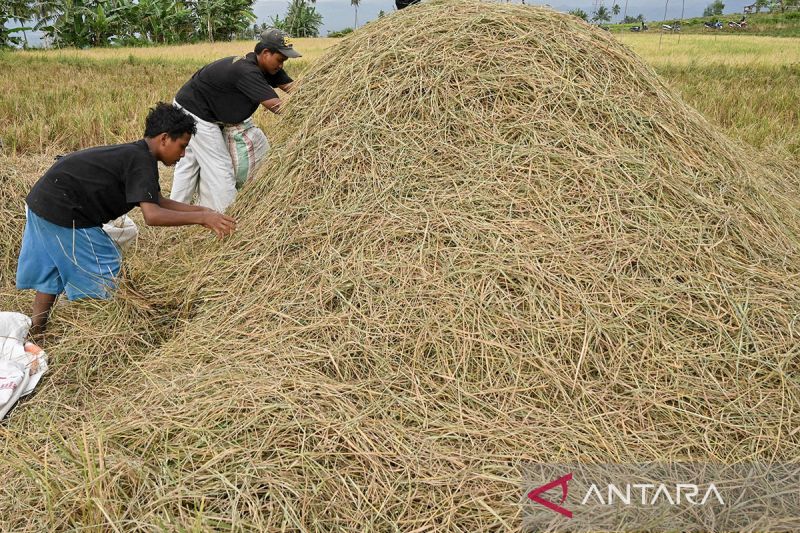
<point>64,248</point>
<point>221,97</point>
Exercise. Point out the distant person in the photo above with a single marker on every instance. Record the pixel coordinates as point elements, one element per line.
<point>221,97</point>
<point>64,248</point>
<point>401,4</point>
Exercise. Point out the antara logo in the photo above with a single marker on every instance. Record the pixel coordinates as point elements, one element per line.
<point>562,482</point>
<point>625,495</point>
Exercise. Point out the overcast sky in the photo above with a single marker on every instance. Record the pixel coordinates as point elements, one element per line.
<point>338,14</point>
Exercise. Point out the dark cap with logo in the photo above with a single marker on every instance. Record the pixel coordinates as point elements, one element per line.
<point>277,41</point>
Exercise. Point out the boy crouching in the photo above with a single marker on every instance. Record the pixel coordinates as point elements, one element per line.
<point>64,248</point>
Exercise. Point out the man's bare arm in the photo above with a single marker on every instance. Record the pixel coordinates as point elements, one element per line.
<point>166,203</point>
<point>155,215</point>
<point>273,104</point>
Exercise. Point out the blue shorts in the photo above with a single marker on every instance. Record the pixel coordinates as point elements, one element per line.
<point>83,262</point>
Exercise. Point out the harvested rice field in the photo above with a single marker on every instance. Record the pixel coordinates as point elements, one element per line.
<point>486,236</point>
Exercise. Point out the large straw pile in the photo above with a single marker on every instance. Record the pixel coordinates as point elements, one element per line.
<point>488,235</point>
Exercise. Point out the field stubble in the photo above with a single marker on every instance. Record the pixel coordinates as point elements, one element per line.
<point>64,100</point>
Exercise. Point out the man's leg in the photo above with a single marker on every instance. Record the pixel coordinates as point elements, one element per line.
<point>42,305</point>
<point>217,184</point>
<point>36,269</point>
<point>187,171</point>
<point>184,180</point>
<point>89,264</point>
<point>248,147</point>
<point>206,168</point>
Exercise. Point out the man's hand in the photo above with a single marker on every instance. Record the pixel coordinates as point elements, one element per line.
<point>220,224</point>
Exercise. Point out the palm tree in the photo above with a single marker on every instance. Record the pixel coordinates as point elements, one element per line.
<point>601,15</point>
<point>301,20</point>
<point>580,13</point>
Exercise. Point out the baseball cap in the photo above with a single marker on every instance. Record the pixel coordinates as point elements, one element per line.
<point>276,40</point>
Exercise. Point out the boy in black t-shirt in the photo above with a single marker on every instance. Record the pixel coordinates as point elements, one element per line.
<point>221,97</point>
<point>64,248</point>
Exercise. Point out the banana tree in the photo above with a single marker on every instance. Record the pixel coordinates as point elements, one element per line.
<point>82,23</point>
<point>101,25</point>
<point>223,19</point>
<point>164,21</point>
<point>68,26</point>
<point>14,10</point>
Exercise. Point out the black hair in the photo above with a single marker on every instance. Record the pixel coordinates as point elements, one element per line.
<point>166,118</point>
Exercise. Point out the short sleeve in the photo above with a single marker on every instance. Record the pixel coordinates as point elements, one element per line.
<point>141,181</point>
<point>279,78</point>
<point>255,87</point>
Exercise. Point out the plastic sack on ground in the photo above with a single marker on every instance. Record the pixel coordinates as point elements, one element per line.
<point>248,147</point>
<point>122,231</point>
<point>22,364</point>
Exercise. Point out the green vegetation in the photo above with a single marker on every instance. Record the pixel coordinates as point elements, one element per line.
<point>17,11</point>
<point>340,33</point>
<point>755,105</point>
<point>775,24</point>
<point>715,8</point>
<point>580,13</point>
<point>84,23</point>
<point>301,20</point>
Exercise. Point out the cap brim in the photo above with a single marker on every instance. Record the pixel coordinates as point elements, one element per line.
<point>290,52</point>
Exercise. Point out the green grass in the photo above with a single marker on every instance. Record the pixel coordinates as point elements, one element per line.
<point>764,24</point>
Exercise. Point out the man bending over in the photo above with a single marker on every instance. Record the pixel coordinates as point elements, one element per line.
<point>221,97</point>
<point>64,248</point>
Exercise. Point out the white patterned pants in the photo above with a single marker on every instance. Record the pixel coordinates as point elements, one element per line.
<point>206,169</point>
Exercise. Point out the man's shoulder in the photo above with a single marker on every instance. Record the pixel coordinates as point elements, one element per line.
<point>219,67</point>
<point>245,63</point>
<point>134,153</point>
<point>132,149</point>
<point>226,70</point>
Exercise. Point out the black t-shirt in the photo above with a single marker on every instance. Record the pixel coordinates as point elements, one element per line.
<point>88,188</point>
<point>229,90</point>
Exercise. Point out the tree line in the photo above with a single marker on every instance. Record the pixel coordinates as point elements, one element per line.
<point>772,6</point>
<point>602,14</point>
<point>86,23</point>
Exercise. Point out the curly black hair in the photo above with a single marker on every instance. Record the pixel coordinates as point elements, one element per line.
<point>166,118</point>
